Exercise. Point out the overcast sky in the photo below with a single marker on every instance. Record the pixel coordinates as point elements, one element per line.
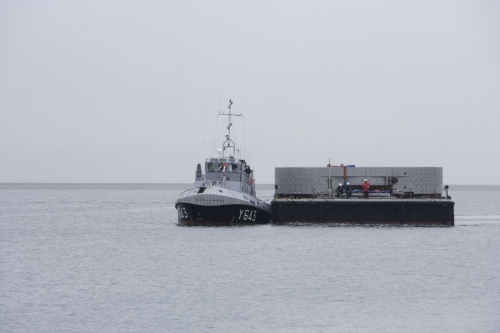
<point>128,91</point>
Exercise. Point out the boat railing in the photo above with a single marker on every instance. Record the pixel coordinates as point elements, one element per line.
<point>239,176</point>
<point>188,190</point>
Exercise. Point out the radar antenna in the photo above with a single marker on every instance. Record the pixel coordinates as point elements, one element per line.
<point>228,142</point>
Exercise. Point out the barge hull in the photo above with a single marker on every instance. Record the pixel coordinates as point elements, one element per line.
<point>360,211</point>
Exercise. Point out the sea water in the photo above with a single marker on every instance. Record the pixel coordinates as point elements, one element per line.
<point>115,261</point>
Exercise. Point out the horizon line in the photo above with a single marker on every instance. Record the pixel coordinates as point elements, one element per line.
<point>168,186</point>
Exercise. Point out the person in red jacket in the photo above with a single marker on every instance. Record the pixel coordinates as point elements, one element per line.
<point>366,187</point>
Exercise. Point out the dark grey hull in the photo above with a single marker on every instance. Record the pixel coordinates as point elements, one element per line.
<point>365,211</point>
<point>224,215</point>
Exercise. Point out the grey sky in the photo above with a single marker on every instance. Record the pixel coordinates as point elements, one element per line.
<point>128,91</point>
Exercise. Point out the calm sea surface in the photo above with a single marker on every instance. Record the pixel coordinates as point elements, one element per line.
<point>115,261</point>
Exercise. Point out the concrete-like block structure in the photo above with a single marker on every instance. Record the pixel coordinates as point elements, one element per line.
<point>313,181</point>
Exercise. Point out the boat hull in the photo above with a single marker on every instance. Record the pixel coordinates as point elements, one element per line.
<point>223,215</point>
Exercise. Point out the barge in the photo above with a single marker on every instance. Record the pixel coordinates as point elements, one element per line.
<point>397,196</point>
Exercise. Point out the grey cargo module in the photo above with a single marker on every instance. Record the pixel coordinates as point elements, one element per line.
<point>419,181</point>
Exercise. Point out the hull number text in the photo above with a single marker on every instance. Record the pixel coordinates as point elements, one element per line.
<point>248,215</point>
<point>183,214</point>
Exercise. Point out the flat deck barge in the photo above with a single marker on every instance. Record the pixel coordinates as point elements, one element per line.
<point>398,196</point>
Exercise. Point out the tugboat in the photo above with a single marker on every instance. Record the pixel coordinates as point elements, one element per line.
<point>225,194</point>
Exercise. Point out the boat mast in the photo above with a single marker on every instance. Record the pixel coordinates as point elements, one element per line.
<point>228,143</point>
